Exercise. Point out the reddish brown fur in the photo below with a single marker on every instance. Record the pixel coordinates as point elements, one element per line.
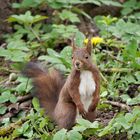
<point>47,86</point>
<point>69,98</point>
<point>63,107</point>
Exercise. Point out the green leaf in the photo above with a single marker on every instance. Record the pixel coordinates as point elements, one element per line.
<point>35,103</point>
<point>79,39</point>
<point>131,50</point>
<point>28,133</point>
<point>26,18</point>
<point>61,60</point>
<point>60,135</point>
<point>125,97</point>
<point>18,56</point>
<point>3,99</point>
<point>25,85</point>
<point>43,123</point>
<point>51,52</point>
<point>66,54</point>
<point>24,3</point>
<point>67,64</point>
<point>136,126</point>
<point>62,31</point>
<point>3,109</point>
<point>25,126</point>
<point>136,111</point>
<point>4,52</point>
<point>59,4</point>
<point>137,74</point>
<point>126,11</point>
<point>123,122</point>
<point>95,124</point>
<point>129,117</point>
<point>79,128</point>
<point>68,15</point>
<point>104,94</point>
<point>110,2</point>
<point>51,59</point>
<point>13,98</point>
<point>5,96</point>
<point>38,18</point>
<point>16,51</point>
<point>134,101</point>
<point>6,121</point>
<point>108,129</point>
<point>27,3</point>
<point>92,1</point>
<point>129,3</point>
<point>84,122</point>
<point>17,45</point>
<point>74,135</point>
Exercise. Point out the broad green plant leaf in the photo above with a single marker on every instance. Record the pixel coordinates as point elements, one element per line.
<point>79,39</point>
<point>26,19</point>
<point>3,109</point>
<point>68,15</point>
<point>74,135</point>
<point>60,135</point>
<point>35,103</point>
<point>84,122</point>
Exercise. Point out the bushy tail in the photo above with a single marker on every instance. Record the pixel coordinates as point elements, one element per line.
<point>47,86</point>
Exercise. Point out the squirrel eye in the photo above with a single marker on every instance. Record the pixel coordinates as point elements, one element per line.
<point>86,57</point>
<point>72,57</point>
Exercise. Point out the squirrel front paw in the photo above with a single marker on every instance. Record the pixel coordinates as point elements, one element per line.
<point>83,112</point>
<point>91,108</point>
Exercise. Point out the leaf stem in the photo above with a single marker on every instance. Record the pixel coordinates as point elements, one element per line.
<point>103,77</point>
<point>35,34</point>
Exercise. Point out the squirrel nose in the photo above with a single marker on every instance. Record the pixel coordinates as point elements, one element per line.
<point>77,63</point>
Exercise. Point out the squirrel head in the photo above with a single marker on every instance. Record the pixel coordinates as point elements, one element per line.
<point>81,57</point>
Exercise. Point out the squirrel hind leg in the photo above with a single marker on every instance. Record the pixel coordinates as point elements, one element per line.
<point>65,115</point>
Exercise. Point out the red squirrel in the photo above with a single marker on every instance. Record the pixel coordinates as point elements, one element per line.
<point>65,100</point>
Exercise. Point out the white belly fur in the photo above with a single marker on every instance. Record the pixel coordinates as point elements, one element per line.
<point>86,89</point>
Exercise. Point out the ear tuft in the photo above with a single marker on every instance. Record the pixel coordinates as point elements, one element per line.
<point>89,46</point>
<point>73,42</point>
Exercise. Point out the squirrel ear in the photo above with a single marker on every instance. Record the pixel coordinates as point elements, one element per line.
<point>89,46</point>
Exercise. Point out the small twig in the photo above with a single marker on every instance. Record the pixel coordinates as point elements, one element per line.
<point>102,76</point>
<point>24,98</point>
<point>2,82</point>
<point>121,105</point>
<point>13,108</point>
<point>117,70</point>
<point>25,105</point>
<point>35,34</point>
<point>113,57</point>
<point>7,115</point>
<point>8,129</point>
<point>8,70</point>
<point>3,45</point>
<point>16,108</point>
